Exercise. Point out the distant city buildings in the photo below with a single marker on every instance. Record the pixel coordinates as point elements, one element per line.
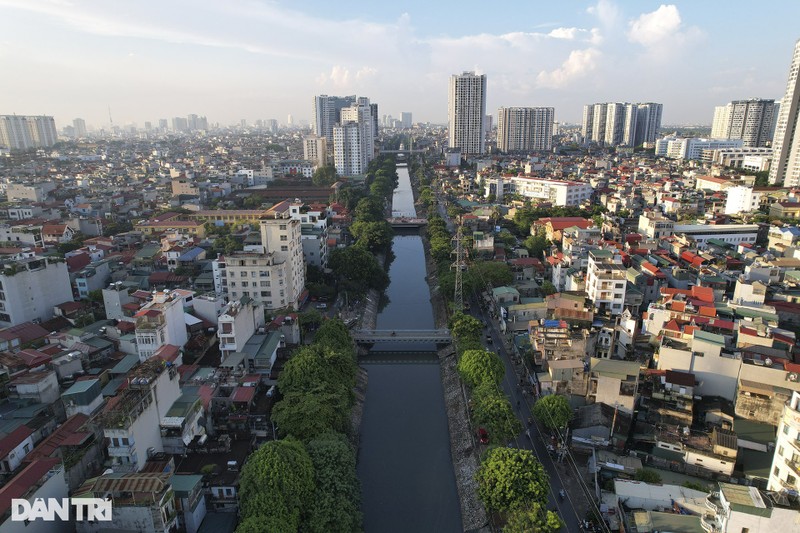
<point>467,112</point>
<point>749,120</point>
<point>621,124</point>
<point>327,113</point>
<point>785,167</point>
<point>694,147</point>
<point>79,126</point>
<point>315,149</point>
<point>405,120</point>
<point>23,132</point>
<point>523,129</point>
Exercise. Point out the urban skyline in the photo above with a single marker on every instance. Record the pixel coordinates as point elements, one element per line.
<point>564,61</point>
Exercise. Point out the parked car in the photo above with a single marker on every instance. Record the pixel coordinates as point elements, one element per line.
<point>483,436</point>
<point>489,339</point>
<point>321,306</point>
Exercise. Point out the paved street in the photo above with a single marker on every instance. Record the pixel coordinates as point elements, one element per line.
<point>522,404</point>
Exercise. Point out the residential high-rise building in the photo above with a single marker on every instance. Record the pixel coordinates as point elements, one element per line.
<point>315,149</point>
<point>180,124</point>
<point>327,113</point>
<point>272,125</point>
<point>405,119</point>
<point>523,129</point>
<point>786,144</point>
<point>648,122</point>
<point>615,124</point>
<point>588,123</point>
<point>786,458</point>
<point>720,124</point>
<point>22,132</point>
<point>626,124</point>
<point>467,112</point>
<point>599,123</point>
<point>354,139</point>
<point>749,120</point>
<point>80,128</point>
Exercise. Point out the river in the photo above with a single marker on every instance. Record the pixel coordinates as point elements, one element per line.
<point>404,462</point>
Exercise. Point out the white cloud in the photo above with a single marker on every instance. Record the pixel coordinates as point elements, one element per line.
<point>652,28</point>
<point>606,12</point>
<point>565,33</point>
<point>577,65</point>
<point>365,73</point>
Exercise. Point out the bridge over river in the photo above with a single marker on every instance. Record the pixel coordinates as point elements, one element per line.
<point>372,336</point>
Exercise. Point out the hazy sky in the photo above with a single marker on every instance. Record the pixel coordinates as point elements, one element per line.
<point>262,59</point>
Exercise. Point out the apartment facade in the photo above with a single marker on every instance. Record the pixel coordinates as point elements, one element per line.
<point>21,132</point>
<point>160,322</point>
<point>31,287</point>
<point>315,149</point>
<point>557,192</point>
<point>785,167</point>
<point>467,112</point>
<point>785,471</point>
<point>606,281</point>
<point>524,129</point>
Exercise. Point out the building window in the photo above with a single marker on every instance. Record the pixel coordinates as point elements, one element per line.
<point>284,238</point>
<point>282,227</point>
<point>776,471</point>
<point>284,248</point>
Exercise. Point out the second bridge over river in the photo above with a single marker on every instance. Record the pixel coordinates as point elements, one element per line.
<point>372,336</point>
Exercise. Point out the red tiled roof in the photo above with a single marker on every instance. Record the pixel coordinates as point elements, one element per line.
<point>680,378</point>
<point>33,358</point>
<point>20,484</point>
<point>25,332</point>
<point>67,434</point>
<point>243,394</point>
<point>14,439</point>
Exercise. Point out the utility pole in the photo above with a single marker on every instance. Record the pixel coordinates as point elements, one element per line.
<point>459,265</point>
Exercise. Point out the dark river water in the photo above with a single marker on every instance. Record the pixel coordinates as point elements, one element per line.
<point>404,462</point>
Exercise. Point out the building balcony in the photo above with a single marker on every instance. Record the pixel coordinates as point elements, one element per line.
<point>122,451</point>
<point>709,523</point>
<point>794,465</point>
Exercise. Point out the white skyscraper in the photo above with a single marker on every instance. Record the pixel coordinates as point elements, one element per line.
<point>719,126</point>
<point>523,129</point>
<point>467,112</point>
<point>353,139</point>
<point>327,113</point>
<point>599,124</point>
<point>80,128</point>
<point>588,122</point>
<point>648,122</point>
<point>749,120</point>
<point>615,124</point>
<point>786,144</point>
<point>20,132</point>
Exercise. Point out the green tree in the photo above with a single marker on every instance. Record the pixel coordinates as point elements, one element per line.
<point>492,410</point>
<point>96,296</point>
<point>337,499</point>
<point>324,176</point>
<point>369,209</point>
<point>548,288</point>
<point>492,273</point>
<point>310,319</point>
<point>357,269</point>
<point>277,482</point>
<point>465,327</point>
<point>695,486</point>
<point>534,518</point>
<point>317,365</point>
<point>374,236</point>
<point>334,335</point>
<point>306,414</point>
<point>553,411</point>
<point>477,367</point>
<point>537,245</point>
<point>509,478</point>
<point>647,475</point>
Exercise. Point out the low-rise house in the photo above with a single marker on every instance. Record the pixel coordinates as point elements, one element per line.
<point>614,383</point>
<point>40,479</point>
<point>743,508</point>
<point>140,502</point>
<point>190,501</point>
<point>14,447</point>
<point>83,397</point>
